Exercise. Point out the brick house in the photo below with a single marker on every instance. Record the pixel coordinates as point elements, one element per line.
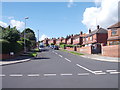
<point>59,40</point>
<point>94,39</point>
<point>114,34</point>
<point>69,39</point>
<point>45,41</point>
<point>78,39</point>
<point>99,35</point>
<point>113,42</point>
<point>53,40</point>
<point>64,40</point>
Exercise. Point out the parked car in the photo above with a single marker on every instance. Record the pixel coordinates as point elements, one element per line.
<point>56,47</point>
<point>41,48</point>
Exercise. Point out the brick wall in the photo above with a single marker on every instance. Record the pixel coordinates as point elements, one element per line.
<point>70,48</point>
<point>78,49</point>
<point>112,50</point>
<point>86,49</point>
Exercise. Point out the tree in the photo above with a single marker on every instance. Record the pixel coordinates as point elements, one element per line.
<point>10,34</point>
<point>30,36</point>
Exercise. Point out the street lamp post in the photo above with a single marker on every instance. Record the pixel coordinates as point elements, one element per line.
<point>25,35</point>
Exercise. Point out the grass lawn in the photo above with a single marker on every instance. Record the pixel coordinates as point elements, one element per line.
<point>33,54</point>
<point>72,52</point>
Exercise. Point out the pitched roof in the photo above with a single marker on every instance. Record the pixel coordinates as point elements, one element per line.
<point>117,25</point>
<point>100,30</point>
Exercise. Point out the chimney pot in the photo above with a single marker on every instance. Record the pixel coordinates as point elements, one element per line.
<point>98,27</point>
<point>81,33</point>
<point>89,30</point>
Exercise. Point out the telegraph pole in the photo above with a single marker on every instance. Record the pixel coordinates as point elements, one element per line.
<point>38,39</point>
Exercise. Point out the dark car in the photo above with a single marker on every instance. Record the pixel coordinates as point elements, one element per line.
<point>56,47</point>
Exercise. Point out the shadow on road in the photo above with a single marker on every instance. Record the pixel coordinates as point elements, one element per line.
<point>41,58</point>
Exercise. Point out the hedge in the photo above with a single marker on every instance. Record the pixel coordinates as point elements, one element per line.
<point>8,47</point>
<point>4,46</point>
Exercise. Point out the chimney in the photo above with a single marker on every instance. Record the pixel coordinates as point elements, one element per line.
<point>89,30</point>
<point>81,33</point>
<point>98,27</point>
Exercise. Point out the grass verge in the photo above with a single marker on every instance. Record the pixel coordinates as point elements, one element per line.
<point>72,52</point>
<point>33,54</point>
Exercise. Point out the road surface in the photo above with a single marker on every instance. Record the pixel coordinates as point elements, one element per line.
<point>57,69</point>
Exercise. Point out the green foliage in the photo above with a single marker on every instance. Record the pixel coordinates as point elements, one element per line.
<point>10,34</point>
<point>5,47</point>
<point>33,54</point>
<point>52,44</point>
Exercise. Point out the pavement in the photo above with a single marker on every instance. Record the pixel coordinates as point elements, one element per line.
<point>57,69</point>
<point>99,57</point>
<point>19,59</point>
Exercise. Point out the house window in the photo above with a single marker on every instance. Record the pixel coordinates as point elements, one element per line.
<point>114,32</point>
<point>86,39</point>
<point>115,43</point>
<point>91,38</point>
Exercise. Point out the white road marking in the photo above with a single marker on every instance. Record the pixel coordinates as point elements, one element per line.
<point>67,60</point>
<point>98,71</point>
<point>33,75</point>
<point>65,74</point>
<point>111,70</point>
<point>49,74</point>
<point>56,53</point>
<point>102,73</point>
<point>16,75</point>
<point>114,72</point>
<point>2,75</point>
<point>83,74</point>
<point>85,68</point>
<point>60,55</point>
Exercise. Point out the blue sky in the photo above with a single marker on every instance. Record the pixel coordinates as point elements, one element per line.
<point>53,19</point>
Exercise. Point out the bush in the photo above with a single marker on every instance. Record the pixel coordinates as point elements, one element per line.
<point>16,47</point>
<point>4,46</point>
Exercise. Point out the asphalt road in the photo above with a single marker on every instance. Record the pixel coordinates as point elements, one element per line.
<point>57,69</point>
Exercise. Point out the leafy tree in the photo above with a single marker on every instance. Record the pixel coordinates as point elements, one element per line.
<point>10,34</point>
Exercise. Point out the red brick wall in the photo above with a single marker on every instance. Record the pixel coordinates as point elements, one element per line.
<point>86,49</point>
<point>78,49</point>
<point>102,38</point>
<point>112,50</point>
<point>71,49</point>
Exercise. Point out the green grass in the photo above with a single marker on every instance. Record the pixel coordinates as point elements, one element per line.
<point>33,54</point>
<point>72,52</point>
<point>36,49</point>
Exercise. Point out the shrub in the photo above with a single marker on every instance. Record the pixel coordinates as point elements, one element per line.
<point>4,46</point>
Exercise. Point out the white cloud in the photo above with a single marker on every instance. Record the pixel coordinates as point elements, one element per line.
<point>19,25</point>
<point>11,17</point>
<point>3,24</point>
<point>43,37</point>
<point>70,4</point>
<point>104,15</point>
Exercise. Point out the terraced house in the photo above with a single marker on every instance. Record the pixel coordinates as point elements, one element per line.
<point>113,41</point>
<point>59,40</point>
<point>95,39</point>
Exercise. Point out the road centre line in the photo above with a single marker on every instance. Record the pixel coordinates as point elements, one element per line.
<point>33,75</point>
<point>66,74</point>
<point>2,75</point>
<point>16,75</point>
<point>67,60</point>
<point>114,72</point>
<point>60,55</point>
<point>49,74</point>
<point>83,74</point>
<point>111,70</point>
<point>85,68</point>
<point>102,73</point>
<point>98,71</point>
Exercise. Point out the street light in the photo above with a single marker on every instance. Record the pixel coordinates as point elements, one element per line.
<point>25,35</point>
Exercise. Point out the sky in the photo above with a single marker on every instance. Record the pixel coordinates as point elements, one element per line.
<point>59,19</point>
